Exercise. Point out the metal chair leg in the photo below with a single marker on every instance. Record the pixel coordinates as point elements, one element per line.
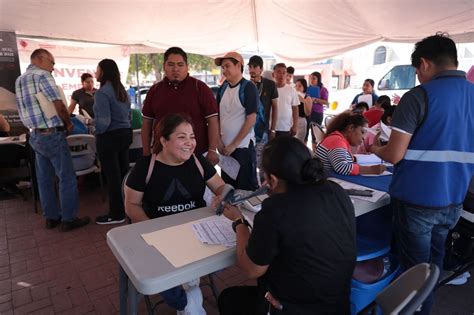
<point>215,292</point>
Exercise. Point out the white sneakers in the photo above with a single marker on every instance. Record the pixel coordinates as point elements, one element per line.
<point>461,279</point>
<point>194,297</point>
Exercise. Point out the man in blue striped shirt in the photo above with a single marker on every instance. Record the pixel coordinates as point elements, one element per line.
<point>48,140</point>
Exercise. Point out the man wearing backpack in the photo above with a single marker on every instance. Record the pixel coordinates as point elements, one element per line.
<point>238,103</point>
<point>268,97</point>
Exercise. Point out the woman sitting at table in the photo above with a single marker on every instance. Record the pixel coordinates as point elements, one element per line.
<point>302,248</point>
<point>345,129</point>
<point>171,181</point>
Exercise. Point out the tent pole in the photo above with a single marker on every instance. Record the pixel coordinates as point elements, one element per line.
<point>139,98</point>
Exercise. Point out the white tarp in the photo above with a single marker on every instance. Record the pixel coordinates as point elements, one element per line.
<point>298,31</point>
<point>73,59</point>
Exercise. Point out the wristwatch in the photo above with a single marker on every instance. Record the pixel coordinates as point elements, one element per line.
<point>240,220</point>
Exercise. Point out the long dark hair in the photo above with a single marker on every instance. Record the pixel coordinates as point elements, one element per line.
<point>345,119</point>
<point>166,127</point>
<point>290,160</point>
<point>318,75</point>
<point>304,83</point>
<point>111,73</point>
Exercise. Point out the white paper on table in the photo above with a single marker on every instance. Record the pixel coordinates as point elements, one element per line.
<point>215,230</point>
<point>376,194</point>
<point>364,159</point>
<point>365,98</point>
<point>385,173</point>
<point>179,245</point>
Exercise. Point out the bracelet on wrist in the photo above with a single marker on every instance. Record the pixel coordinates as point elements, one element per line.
<point>239,221</point>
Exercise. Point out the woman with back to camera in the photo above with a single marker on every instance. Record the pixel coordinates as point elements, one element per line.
<point>302,247</point>
<point>345,130</point>
<point>113,136</point>
<point>171,181</point>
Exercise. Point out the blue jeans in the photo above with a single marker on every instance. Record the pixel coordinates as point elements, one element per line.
<point>421,236</point>
<point>53,158</point>
<point>175,298</point>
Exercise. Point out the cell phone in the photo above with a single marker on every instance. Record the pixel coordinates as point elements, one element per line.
<point>359,192</point>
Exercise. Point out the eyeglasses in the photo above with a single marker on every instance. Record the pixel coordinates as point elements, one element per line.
<point>51,61</point>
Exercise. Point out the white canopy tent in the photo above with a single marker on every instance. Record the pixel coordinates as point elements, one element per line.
<point>299,31</point>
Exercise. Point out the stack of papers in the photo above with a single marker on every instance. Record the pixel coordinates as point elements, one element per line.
<point>215,231</point>
<point>376,194</point>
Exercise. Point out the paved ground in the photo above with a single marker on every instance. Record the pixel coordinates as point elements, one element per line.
<point>51,272</point>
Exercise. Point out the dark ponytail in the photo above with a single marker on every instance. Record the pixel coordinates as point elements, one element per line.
<point>313,171</point>
<point>290,160</point>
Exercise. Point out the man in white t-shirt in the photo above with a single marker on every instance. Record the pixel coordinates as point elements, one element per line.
<point>287,103</point>
<point>237,119</point>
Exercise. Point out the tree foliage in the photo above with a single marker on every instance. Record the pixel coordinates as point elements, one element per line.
<point>153,64</point>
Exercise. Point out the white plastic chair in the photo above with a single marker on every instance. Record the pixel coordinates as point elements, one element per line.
<point>83,151</point>
<point>135,146</point>
<point>406,293</point>
<point>318,132</point>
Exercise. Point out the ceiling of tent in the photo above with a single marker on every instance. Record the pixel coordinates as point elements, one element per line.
<point>300,31</point>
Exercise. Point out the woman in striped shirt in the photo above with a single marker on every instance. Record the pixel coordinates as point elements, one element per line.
<point>345,130</point>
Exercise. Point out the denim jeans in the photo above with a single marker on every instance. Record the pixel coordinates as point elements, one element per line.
<point>53,158</point>
<point>421,236</point>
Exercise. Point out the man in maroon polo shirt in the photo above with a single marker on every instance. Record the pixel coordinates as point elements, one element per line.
<point>180,93</point>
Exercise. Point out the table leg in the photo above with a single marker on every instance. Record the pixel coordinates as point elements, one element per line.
<point>123,284</point>
<point>132,298</point>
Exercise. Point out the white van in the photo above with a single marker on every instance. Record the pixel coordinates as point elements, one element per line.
<point>390,79</point>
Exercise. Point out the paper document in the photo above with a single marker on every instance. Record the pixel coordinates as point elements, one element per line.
<point>47,107</point>
<point>385,173</point>
<point>215,230</point>
<point>376,194</point>
<point>364,159</point>
<point>365,98</point>
<point>179,245</point>
<point>228,164</point>
<point>385,131</point>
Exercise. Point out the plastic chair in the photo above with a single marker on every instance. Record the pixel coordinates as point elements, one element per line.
<point>406,294</point>
<point>318,132</point>
<point>84,154</point>
<point>136,148</point>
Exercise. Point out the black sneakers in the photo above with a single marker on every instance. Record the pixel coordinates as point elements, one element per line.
<point>51,224</point>
<point>107,219</point>
<point>74,224</point>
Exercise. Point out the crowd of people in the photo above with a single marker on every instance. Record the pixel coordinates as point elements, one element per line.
<point>302,246</point>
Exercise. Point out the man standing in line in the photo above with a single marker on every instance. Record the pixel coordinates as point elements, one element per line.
<point>180,93</point>
<point>288,102</point>
<point>237,119</point>
<point>48,140</point>
<point>290,74</point>
<point>268,96</point>
<point>433,152</point>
